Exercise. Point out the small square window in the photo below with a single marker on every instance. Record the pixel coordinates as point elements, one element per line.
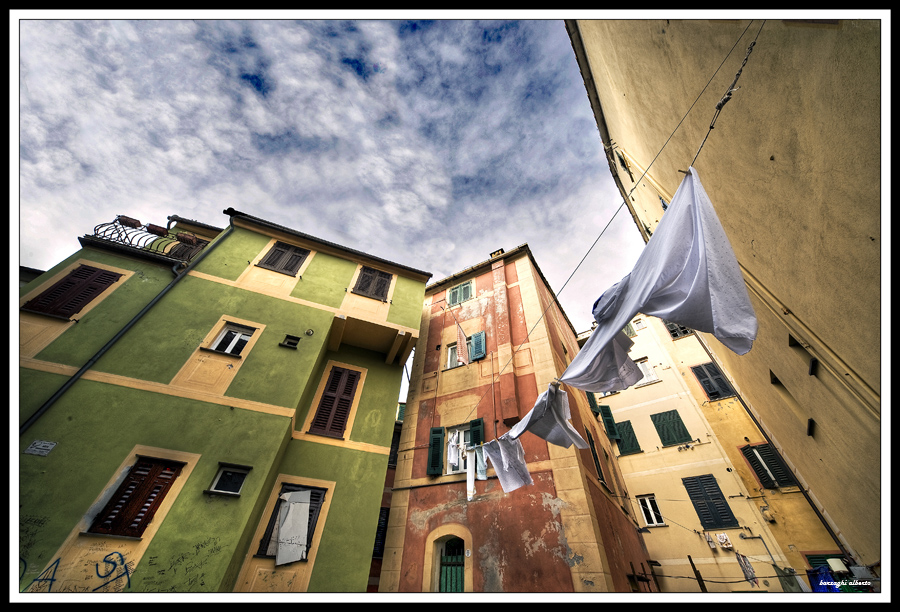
<point>650,511</point>
<point>232,339</point>
<point>452,361</point>
<point>229,479</point>
<point>290,342</point>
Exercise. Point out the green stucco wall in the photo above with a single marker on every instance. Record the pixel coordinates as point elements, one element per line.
<point>325,280</point>
<point>406,303</point>
<point>56,491</point>
<point>231,257</point>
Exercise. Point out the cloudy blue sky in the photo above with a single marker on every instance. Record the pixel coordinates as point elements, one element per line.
<point>429,143</point>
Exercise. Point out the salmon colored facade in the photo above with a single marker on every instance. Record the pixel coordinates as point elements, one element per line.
<point>568,531</point>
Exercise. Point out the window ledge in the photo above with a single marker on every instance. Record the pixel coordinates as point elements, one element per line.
<point>48,314</point>
<point>294,275</point>
<point>373,297</point>
<point>110,535</point>
<point>222,493</point>
<point>655,526</point>
<point>210,350</point>
<point>648,383</point>
<point>637,452</point>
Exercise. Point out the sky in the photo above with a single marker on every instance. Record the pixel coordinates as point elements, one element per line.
<point>427,143</point>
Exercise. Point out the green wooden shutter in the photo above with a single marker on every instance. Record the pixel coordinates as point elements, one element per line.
<point>476,432</point>
<point>711,506</point>
<point>628,442</point>
<point>381,532</point>
<point>452,569</point>
<point>478,348</point>
<point>596,457</point>
<point>608,421</point>
<point>435,452</point>
<point>670,428</point>
<point>772,471</point>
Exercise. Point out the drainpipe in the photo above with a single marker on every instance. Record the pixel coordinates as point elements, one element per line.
<point>178,276</point>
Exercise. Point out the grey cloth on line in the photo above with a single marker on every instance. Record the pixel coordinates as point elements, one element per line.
<point>549,419</point>
<point>508,459</point>
<point>687,274</point>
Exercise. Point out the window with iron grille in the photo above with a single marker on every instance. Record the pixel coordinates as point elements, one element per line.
<point>134,503</point>
<point>274,535</point>
<point>71,294</point>
<point>284,258</point>
<point>336,402</point>
<point>373,283</point>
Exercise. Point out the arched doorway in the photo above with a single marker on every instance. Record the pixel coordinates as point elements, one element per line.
<point>452,566</point>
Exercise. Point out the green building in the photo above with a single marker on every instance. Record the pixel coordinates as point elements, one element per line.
<point>208,409</point>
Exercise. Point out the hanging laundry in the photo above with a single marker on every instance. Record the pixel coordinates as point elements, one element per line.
<point>790,582</point>
<point>686,274</point>
<point>723,540</point>
<point>453,449</point>
<point>462,350</point>
<point>508,459</point>
<point>749,574</point>
<point>549,419</point>
<point>293,523</point>
<point>710,541</point>
<point>480,465</point>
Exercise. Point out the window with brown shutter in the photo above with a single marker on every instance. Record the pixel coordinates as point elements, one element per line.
<point>67,297</point>
<point>373,283</point>
<point>132,506</point>
<point>284,258</point>
<point>337,400</point>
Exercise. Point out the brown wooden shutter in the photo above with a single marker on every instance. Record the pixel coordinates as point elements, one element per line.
<point>334,406</point>
<point>134,503</point>
<point>373,283</point>
<point>74,292</point>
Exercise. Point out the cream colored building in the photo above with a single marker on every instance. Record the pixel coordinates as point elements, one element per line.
<point>793,169</point>
<point>684,437</point>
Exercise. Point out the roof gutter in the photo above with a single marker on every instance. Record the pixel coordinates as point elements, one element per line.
<point>179,275</point>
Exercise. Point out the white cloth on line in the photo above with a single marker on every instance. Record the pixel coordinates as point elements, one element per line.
<point>687,274</point>
<point>480,465</point>
<point>549,419</point>
<point>453,448</point>
<point>508,459</point>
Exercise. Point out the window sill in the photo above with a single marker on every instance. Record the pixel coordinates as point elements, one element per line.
<point>648,383</point>
<point>324,435</point>
<point>637,452</point>
<point>655,526</point>
<point>48,314</point>
<point>373,297</point>
<point>110,535</point>
<point>292,275</point>
<point>222,493</point>
<point>210,350</point>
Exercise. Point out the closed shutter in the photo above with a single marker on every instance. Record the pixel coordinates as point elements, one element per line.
<point>284,258</point>
<point>137,499</point>
<point>373,283</point>
<point>435,451</point>
<point>670,428</point>
<point>381,532</point>
<point>334,406</point>
<point>600,475</point>
<point>478,346</point>
<point>712,381</point>
<point>74,292</point>
<point>628,442</point>
<point>609,423</point>
<point>768,465</point>
<point>710,504</point>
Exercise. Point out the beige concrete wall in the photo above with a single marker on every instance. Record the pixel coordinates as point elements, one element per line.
<point>793,169</point>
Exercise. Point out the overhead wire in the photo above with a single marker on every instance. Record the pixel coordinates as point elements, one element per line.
<point>624,201</point>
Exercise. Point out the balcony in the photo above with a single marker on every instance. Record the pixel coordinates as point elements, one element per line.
<point>128,235</point>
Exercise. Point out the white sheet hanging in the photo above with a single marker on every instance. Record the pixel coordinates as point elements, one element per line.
<point>293,524</point>
<point>508,459</point>
<point>686,274</point>
<point>549,419</point>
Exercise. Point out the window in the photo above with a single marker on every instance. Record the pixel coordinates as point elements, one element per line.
<point>629,330</point>
<point>770,469</point>
<point>639,324</point>
<point>648,371</point>
<point>471,433</point>
<point>712,381</point>
<point>381,532</point>
<point>628,442</point>
<point>605,413</point>
<point>289,533</point>
<point>600,476</point>
<point>186,250</point>
<point>650,511</point>
<point>131,508</point>
<point>456,457</point>
<point>335,403</point>
<point>678,331</point>
<point>229,479</point>
<point>284,258</point>
<point>670,428</point>
<point>710,504</point>
<point>476,348</point>
<point>460,293</point>
<point>232,339</point>
<point>373,283</point>
<point>68,296</point>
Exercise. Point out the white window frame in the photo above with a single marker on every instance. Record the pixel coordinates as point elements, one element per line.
<point>649,507</point>
<point>240,331</point>
<point>458,289</point>
<point>639,324</point>
<point>451,353</point>
<point>466,436</point>
<point>648,370</point>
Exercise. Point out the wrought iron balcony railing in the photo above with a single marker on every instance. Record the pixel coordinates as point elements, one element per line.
<point>130,232</point>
